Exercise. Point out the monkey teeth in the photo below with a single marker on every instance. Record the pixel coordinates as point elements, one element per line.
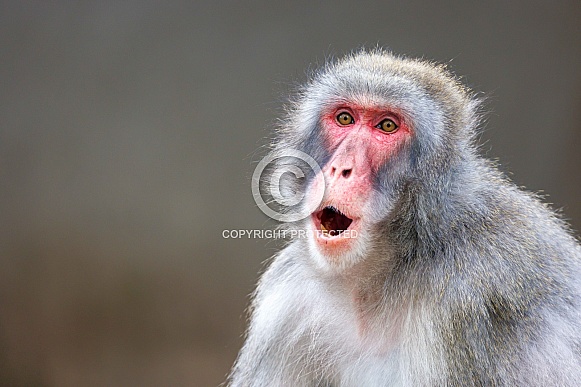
<point>327,232</point>
<point>332,221</point>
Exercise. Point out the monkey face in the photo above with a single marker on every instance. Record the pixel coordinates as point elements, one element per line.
<point>360,140</point>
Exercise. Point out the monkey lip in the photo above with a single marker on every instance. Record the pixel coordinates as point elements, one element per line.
<point>330,222</point>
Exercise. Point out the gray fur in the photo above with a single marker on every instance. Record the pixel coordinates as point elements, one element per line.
<point>467,280</point>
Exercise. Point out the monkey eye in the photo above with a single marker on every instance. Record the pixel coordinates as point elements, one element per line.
<point>345,119</point>
<point>387,126</point>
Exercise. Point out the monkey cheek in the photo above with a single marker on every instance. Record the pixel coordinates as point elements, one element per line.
<point>314,194</point>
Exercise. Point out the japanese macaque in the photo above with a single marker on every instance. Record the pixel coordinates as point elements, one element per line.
<point>423,265</point>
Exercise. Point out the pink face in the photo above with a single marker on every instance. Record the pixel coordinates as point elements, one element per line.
<point>361,139</point>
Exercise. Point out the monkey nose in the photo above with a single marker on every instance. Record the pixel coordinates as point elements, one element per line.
<point>341,172</point>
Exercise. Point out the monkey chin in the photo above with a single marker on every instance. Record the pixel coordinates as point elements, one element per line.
<point>335,240</point>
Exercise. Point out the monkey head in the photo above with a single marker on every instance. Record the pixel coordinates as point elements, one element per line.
<point>380,127</point>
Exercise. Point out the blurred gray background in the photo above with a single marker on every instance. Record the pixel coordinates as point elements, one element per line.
<point>129,132</point>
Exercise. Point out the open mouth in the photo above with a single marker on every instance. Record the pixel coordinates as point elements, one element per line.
<point>331,221</point>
